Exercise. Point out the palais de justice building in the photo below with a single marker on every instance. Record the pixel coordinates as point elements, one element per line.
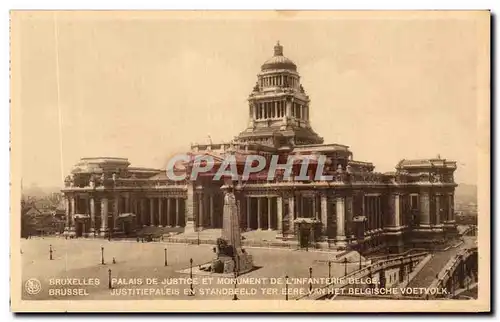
<point>359,209</point>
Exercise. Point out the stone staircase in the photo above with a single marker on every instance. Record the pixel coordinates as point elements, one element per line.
<point>159,231</point>
<point>427,274</point>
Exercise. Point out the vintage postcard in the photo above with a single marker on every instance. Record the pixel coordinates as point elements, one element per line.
<point>267,161</point>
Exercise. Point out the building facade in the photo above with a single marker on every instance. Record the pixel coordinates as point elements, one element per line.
<point>359,209</point>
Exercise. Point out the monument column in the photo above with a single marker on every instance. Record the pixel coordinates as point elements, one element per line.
<point>324,214</point>
<point>340,220</point>
<point>259,209</point>
<point>269,213</point>
<point>104,215</point>
<point>92,214</point>
<point>151,211</point>
<point>189,208</point>
<point>160,212</point>
<point>279,215</point>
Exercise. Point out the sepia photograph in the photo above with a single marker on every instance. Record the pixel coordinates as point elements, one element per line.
<point>196,161</point>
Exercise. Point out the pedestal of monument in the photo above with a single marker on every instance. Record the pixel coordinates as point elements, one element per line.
<point>243,261</point>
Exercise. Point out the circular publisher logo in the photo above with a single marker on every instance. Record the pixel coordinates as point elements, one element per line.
<point>33,286</point>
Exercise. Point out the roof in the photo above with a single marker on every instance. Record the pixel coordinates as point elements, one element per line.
<point>426,163</point>
<point>278,61</point>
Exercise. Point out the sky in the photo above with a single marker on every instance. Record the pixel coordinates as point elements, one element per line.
<point>146,87</point>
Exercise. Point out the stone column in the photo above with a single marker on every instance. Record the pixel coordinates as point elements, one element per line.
<point>68,214</point>
<point>269,213</point>
<point>259,210</point>
<point>349,208</point>
<point>324,213</point>
<point>379,205</point>
<point>92,214</point>
<point>397,208</point>
<point>143,212</point>
<point>340,220</point>
<point>300,200</point>
<point>288,109</point>
<point>116,210</point>
<point>177,208</point>
<point>104,215</point>
<point>391,205</point>
<point>152,211</point>
<point>211,201</point>
<point>72,216</point>
<point>438,209</point>
<point>363,206</point>
<point>279,215</point>
<point>160,212</point>
<point>200,211</point>
<point>127,203</point>
<point>366,205</point>
<point>451,207</point>
<point>135,209</point>
<point>249,206</point>
<point>291,212</point>
<point>167,213</point>
<point>424,209</point>
<point>315,208</point>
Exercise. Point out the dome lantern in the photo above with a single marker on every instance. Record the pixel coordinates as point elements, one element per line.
<point>278,61</point>
<point>278,49</point>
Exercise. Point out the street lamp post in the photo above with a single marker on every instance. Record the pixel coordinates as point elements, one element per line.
<point>286,288</point>
<point>235,297</point>
<point>345,266</point>
<point>329,269</point>
<point>109,279</point>
<point>50,252</point>
<point>360,265</point>
<point>166,256</point>
<point>191,291</point>
<point>310,279</point>
<point>102,255</point>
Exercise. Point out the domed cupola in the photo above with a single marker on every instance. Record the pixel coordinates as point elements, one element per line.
<point>278,61</point>
<point>279,107</point>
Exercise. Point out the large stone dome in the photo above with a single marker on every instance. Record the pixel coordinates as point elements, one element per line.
<point>278,61</point>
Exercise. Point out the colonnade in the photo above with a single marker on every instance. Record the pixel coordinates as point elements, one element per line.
<point>102,213</point>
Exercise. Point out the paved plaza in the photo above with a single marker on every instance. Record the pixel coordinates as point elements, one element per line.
<point>137,264</point>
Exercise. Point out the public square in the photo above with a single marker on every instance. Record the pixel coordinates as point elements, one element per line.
<point>81,259</point>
